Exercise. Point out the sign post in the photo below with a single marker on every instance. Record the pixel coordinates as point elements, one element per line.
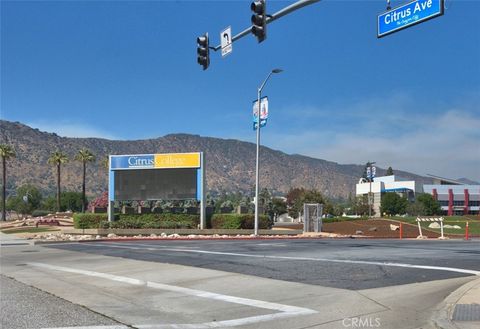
<point>407,15</point>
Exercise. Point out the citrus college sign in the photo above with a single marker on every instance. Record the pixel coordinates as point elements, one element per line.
<point>155,161</point>
<point>163,176</point>
<point>408,15</point>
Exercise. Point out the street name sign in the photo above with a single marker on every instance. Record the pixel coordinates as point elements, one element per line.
<point>407,15</point>
<point>226,41</point>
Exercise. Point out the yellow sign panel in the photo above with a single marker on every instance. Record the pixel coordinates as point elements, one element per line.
<point>177,160</point>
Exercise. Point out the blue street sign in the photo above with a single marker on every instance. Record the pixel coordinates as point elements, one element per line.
<point>408,15</point>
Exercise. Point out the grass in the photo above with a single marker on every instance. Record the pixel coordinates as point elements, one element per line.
<point>27,230</point>
<point>473,225</point>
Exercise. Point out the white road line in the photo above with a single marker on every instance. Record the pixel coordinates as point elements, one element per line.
<point>284,310</point>
<point>91,327</point>
<point>271,244</point>
<point>425,267</point>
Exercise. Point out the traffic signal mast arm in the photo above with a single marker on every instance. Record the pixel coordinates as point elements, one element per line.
<point>270,18</point>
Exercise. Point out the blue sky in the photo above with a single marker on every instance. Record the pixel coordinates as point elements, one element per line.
<point>127,70</point>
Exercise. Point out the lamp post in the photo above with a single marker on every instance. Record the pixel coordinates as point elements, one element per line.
<point>257,164</point>
<point>370,175</point>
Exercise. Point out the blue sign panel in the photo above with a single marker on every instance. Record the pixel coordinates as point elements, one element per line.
<point>407,15</point>
<point>138,161</point>
<point>263,123</point>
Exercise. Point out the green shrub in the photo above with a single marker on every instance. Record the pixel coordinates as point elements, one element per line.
<point>84,221</point>
<point>154,221</point>
<point>38,213</point>
<point>239,221</point>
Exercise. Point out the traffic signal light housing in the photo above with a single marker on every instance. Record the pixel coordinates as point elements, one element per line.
<point>259,19</point>
<point>203,51</point>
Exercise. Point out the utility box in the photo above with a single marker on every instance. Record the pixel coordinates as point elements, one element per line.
<point>312,217</point>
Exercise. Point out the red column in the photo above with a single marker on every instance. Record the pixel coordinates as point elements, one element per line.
<point>435,194</point>
<point>467,199</point>
<point>450,202</point>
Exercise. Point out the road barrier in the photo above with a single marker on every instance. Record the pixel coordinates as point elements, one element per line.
<point>430,219</point>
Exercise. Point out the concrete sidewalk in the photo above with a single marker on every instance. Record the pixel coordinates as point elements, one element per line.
<point>13,240</point>
<point>461,309</point>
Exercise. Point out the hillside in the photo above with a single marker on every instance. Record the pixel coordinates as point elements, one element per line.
<point>230,164</point>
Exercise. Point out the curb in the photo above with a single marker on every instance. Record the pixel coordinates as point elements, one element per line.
<point>442,317</point>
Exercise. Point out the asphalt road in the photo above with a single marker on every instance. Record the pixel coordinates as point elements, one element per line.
<point>320,283</point>
<point>346,264</point>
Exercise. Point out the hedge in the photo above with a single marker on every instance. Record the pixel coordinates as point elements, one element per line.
<point>239,221</point>
<point>88,220</point>
<point>38,213</point>
<point>342,219</point>
<point>169,220</point>
<point>166,220</point>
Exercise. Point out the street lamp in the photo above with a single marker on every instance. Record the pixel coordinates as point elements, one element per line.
<point>257,164</point>
<point>371,171</point>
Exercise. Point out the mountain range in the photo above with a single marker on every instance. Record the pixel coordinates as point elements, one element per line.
<point>230,164</point>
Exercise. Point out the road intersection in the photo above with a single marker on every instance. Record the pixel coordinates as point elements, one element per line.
<point>250,284</point>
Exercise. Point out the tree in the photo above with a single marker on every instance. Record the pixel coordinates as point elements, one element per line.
<point>6,152</point>
<point>279,206</point>
<point>105,163</point>
<point>69,201</point>
<point>102,202</point>
<point>72,201</point>
<point>416,209</point>
<point>360,206</point>
<point>58,158</point>
<point>49,203</point>
<point>431,206</point>
<point>298,196</point>
<point>389,171</point>
<point>27,199</point>
<point>393,204</point>
<point>84,156</point>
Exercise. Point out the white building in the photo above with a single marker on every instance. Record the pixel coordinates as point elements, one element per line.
<point>386,184</point>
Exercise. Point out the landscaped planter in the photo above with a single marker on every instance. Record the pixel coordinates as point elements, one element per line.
<point>128,210</point>
<point>143,210</point>
<point>192,210</point>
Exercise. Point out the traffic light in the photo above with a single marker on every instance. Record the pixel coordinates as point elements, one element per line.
<point>203,51</point>
<point>259,19</point>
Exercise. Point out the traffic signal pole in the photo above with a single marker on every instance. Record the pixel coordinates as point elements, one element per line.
<point>270,18</point>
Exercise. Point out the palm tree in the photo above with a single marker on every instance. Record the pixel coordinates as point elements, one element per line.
<point>57,158</point>
<point>84,156</point>
<point>106,163</point>
<point>6,152</point>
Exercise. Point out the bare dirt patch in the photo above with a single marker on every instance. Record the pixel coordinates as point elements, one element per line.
<point>377,228</point>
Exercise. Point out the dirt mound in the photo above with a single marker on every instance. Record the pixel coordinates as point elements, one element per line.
<point>377,228</point>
